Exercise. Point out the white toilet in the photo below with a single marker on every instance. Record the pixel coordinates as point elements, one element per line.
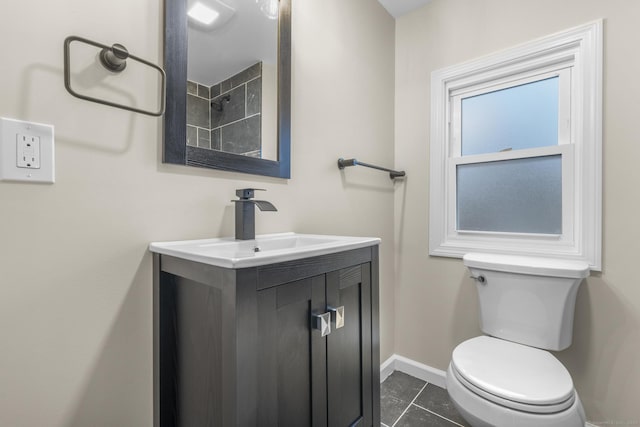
<point>507,378</point>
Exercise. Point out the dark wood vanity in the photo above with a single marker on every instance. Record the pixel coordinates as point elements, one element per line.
<point>238,347</point>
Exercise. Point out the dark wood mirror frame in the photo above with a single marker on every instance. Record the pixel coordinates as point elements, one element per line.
<point>175,149</point>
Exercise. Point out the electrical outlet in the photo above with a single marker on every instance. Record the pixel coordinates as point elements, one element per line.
<point>26,151</point>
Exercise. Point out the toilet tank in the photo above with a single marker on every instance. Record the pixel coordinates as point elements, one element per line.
<point>528,300</point>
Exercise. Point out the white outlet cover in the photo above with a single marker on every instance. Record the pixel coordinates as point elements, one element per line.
<point>9,169</point>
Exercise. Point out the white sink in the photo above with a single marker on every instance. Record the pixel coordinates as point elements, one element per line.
<point>265,249</point>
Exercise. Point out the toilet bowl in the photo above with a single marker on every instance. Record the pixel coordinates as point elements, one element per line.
<point>493,382</point>
<point>507,378</point>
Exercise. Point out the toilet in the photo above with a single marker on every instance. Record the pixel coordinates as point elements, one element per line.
<point>507,378</point>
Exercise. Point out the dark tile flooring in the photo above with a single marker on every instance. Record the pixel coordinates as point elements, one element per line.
<point>406,401</point>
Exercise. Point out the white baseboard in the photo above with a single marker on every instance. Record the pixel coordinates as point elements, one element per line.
<point>413,368</point>
<point>387,367</point>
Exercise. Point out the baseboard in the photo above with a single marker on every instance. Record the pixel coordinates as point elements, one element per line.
<point>413,368</point>
<point>387,367</point>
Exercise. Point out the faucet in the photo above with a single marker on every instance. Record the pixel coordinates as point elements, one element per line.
<point>246,213</point>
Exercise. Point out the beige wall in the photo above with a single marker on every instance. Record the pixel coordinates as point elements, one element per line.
<point>75,274</point>
<point>436,305</point>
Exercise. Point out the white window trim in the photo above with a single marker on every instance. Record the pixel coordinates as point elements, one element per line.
<point>579,49</point>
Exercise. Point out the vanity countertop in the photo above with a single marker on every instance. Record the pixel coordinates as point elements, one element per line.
<point>265,249</point>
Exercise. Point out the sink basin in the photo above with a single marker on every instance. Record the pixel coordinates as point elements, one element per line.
<point>265,249</point>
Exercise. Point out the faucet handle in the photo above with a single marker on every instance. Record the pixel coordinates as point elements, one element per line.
<point>247,193</point>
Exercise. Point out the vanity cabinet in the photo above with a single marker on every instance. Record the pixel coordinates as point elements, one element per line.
<point>239,347</point>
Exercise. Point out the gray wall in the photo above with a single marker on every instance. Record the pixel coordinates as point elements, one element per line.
<point>236,113</point>
<point>228,115</point>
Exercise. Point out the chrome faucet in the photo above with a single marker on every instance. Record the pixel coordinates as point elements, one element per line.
<point>246,213</point>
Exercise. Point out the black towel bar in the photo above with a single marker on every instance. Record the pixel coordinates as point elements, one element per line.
<point>393,174</point>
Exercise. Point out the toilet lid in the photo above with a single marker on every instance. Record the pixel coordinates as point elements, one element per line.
<point>515,373</point>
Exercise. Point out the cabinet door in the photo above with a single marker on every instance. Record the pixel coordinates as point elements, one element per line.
<point>292,360</point>
<point>349,352</point>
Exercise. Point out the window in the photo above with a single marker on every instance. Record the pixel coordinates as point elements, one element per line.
<point>516,151</point>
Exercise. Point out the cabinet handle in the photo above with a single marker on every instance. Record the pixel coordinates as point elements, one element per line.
<point>322,322</point>
<point>338,315</point>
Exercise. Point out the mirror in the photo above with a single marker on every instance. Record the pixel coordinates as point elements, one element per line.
<point>229,108</point>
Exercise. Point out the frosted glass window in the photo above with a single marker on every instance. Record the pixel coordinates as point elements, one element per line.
<point>518,196</point>
<point>518,117</point>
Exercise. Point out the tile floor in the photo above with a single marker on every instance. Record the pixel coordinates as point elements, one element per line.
<point>409,402</point>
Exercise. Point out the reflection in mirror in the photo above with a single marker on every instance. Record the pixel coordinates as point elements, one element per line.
<point>228,99</point>
<point>232,76</point>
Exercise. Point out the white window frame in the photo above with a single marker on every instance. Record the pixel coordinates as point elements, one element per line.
<point>575,56</point>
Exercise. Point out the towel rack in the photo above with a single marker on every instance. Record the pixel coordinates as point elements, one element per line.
<point>113,58</point>
<point>393,174</point>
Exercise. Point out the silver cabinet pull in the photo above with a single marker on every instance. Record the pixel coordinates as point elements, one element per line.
<point>322,322</point>
<point>338,315</point>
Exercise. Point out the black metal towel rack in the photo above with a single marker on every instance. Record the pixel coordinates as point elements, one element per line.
<point>393,174</point>
<point>113,58</point>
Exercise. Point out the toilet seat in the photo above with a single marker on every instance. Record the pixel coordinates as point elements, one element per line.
<point>513,375</point>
